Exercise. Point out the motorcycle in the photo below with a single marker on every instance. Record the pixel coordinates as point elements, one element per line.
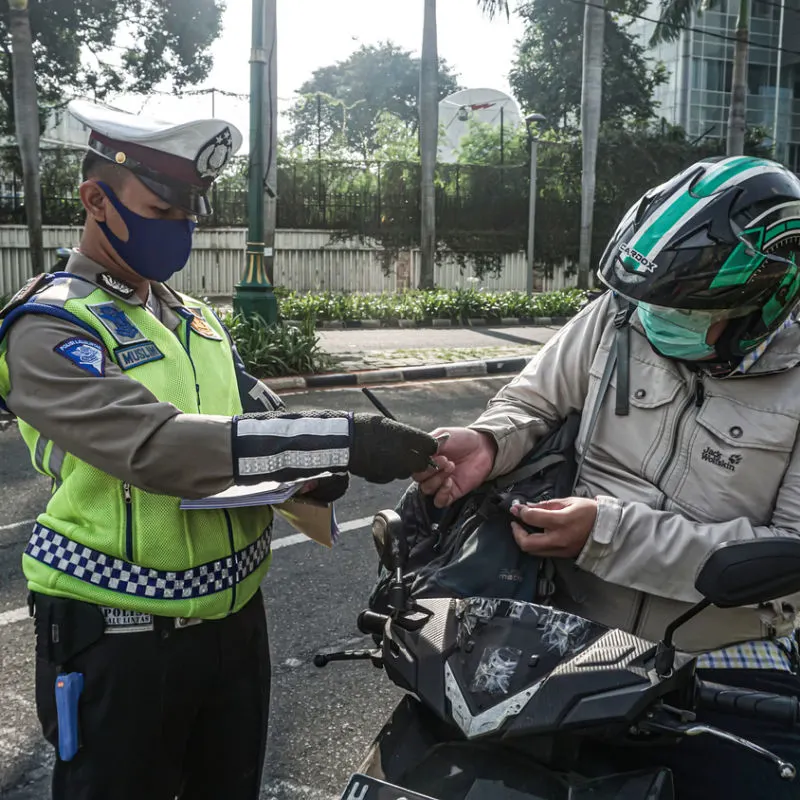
<point>503,696</point>
<point>62,256</point>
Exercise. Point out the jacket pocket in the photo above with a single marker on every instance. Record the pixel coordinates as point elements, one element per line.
<point>637,443</point>
<point>737,461</point>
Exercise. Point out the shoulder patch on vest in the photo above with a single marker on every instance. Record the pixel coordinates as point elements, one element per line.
<point>117,323</point>
<point>134,355</point>
<point>89,356</point>
<point>114,285</point>
<point>200,326</point>
<point>30,288</point>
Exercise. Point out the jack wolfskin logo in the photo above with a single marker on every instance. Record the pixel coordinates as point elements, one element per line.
<point>715,457</point>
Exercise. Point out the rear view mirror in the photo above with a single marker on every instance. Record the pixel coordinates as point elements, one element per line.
<point>751,572</point>
<point>387,534</point>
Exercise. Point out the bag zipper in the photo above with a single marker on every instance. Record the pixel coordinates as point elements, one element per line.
<point>127,495</point>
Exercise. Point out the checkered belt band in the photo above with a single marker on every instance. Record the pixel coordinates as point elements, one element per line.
<point>108,572</point>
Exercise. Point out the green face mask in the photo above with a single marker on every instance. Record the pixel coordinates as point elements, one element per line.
<point>677,334</point>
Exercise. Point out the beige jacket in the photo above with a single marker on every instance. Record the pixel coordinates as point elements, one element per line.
<point>698,461</point>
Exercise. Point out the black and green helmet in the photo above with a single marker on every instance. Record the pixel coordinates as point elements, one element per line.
<point>722,236</point>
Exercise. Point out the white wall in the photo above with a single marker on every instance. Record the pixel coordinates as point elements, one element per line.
<point>306,261</point>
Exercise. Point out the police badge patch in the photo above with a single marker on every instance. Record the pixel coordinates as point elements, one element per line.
<point>214,155</point>
<point>89,356</point>
<point>199,325</point>
<point>116,322</point>
<point>115,285</point>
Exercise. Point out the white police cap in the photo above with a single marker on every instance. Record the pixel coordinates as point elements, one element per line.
<point>177,162</point>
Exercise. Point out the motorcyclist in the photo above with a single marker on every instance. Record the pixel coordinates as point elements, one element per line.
<point>702,450</point>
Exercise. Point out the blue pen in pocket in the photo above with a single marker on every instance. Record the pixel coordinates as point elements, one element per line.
<point>68,691</point>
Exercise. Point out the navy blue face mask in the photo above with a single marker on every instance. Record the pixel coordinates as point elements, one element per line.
<point>156,248</point>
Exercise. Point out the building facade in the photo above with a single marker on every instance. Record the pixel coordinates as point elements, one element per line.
<point>700,65</point>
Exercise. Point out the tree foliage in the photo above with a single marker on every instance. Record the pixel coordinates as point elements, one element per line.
<point>341,105</point>
<point>97,47</point>
<point>547,69</point>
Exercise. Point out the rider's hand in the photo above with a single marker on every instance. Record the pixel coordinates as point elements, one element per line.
<point>567,525</point>
<point>465,460</point>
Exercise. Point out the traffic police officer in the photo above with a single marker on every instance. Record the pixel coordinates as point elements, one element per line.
<point>131,396</point>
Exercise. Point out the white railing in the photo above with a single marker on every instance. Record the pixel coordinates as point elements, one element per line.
<point>306,261</point>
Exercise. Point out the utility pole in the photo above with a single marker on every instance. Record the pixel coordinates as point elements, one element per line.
<point>254,294</point>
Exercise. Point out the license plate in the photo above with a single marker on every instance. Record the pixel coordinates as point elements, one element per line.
<point>362,787</point>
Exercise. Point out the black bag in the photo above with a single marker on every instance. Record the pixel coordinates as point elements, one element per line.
<point>468,549</point>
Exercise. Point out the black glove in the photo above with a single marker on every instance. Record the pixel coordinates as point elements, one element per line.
<point>329,489</point>
<point>383,450</point>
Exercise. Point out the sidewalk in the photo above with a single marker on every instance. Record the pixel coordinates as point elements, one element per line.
<point>363,349</point>
<point>368,356</point>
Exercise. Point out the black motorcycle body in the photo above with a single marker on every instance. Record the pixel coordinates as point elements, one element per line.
<point>516,701</point>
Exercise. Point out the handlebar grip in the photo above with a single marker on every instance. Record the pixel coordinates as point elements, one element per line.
<point>747,703</point>
<point>372,622</point>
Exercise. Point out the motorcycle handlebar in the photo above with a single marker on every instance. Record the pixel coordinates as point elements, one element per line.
<point>371,622</point>
<point>747,703</point>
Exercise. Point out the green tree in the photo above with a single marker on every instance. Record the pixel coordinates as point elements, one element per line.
<point>482,145</point>
<point>340,105</point>
<point>547,72</point>
<point>393,139</point>
<point>94,47</point>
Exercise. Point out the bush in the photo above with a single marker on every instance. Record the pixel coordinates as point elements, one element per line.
<point>457,305</point>
<point>272,350</point>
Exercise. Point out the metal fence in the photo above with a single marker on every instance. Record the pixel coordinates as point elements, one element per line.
<point>305,261</point>
<point>313,195</point>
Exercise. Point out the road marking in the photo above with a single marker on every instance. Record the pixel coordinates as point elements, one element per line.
<point>15,615</point>
<point>19,614</point>
<point>280,789</point>
<point>11,526</point>
<point>344,527</point>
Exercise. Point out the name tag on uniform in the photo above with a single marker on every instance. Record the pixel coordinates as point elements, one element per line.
<point>137,354</point>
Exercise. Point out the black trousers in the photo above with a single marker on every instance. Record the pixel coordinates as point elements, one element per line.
<point>167,713</point>
<point>705,768</point>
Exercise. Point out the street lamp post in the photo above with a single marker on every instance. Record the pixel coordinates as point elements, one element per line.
<point>254,294</point>
<point>530,121</point>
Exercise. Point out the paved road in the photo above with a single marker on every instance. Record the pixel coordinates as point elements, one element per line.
<point>361,340</point>
<point>322,720</point>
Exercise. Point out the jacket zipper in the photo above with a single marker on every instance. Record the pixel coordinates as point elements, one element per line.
<point>697,399</point>
<point>191,361</point>
<point>228,522</point>
<point>233,557</point>
<point>128,496</point>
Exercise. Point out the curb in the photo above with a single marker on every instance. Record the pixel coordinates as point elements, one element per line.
<point>458,369</point>
<point>472,322</point>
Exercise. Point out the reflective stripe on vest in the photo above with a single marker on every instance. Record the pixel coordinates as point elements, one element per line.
<point>59,552</point>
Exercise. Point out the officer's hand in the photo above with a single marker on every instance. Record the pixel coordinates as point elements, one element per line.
<point>326,490</point>
<point>383,450</point>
